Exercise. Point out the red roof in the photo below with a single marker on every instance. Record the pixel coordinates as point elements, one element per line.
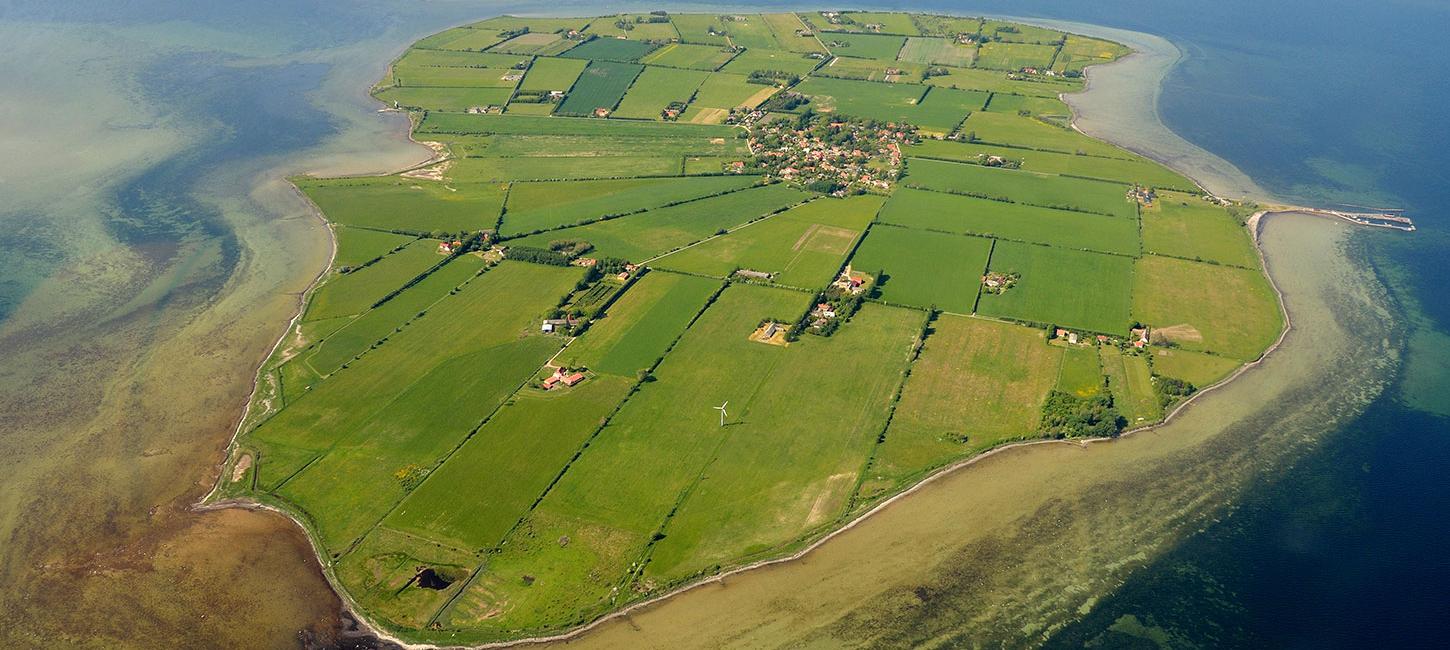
<point>570,380</point>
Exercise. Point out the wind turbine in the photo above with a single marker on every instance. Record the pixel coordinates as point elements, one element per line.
<point>721,409</point>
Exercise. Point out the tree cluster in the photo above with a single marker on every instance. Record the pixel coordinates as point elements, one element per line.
<point>1065,415</point>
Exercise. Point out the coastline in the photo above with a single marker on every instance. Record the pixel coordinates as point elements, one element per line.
<point>1218,177</point>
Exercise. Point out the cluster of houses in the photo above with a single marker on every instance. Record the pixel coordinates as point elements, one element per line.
<point>1143,195</point>
<point>552,325</point>
<point>448,247</point>
<point>850,282</point>
<point>562,377</point>
<point>998,282</point>
<point>851,154</point>
<point>1138,339</point>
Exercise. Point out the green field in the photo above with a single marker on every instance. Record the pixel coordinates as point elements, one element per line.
<point>1185,225</point>
<point>937,51</point>
<point>844,67</point>
<point>535,43</point>
<point>1016,186</point>
<point>1196,368</point>
<point>1019,33</point>
<point>656,88</point>
<point>864,46</point>
<point>356,245</point>
<point>721,92</point>
<point>354,338</point>
<point>346,294</point>
<point>444,99</point>
<point>512,458</point>
<point>610,49</point>
<point>632,26</point>
<point>408,420</point>
<point>924,269</point>
<point>967,215</point>
<point>886,23</point>
<point>544,205</point>
<point>785,28</point>
<point>1069,288</point>
<point>1082,371</point>
<point>997,81</point>
<point>549,73</point>
<point>648,234</point>
<point>394,203</point>
<point>1131,383</point>
<point>977,384</point>
<point>804,246</point>
<point>641,324</point>
<point>1018,131</point>
<point>752,60</point>
<point>694,57</point>
<point>1135,171</point>
<point>1205,307</point>
<point>601,85</point>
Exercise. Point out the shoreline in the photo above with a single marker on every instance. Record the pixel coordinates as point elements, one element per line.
<point>209,501</point>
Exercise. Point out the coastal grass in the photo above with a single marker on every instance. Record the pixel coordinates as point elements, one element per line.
<point>939,211</point>
<point>347,294</point>
<point>1017,186</point>
<point>1082,372</point>
<point>641,324</point>
<point>561,168</point>
<point>381,571</point>
<point>355,337</point>
<point>1196,368</point>
<point>1014,56</point>
<point>1019,131</point>
<point>1059,286</point>
<point>1010,32</point>
<point>803,246</point>
<point>977,383</point>
<point>1138,171</point>
<point>539,43</point>
<point>1203,307</point>
<point>886,22</point>
<point>645,235</point>
<point>1037,106</point>
<point>924,269</point>
<point>359,245</point>
<point>1131,382</point>
<point>424,98</point>
<point>1185,225</point>
<point>405,204</point>
<point>998,81</point>
<point>534,206</point>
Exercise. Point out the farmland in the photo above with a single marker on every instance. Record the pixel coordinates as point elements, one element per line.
<point>795,264</point>
<point>601,85</point>
<point>1063,287</point>
<point>924,268</point>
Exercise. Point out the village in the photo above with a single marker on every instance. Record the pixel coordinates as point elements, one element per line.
<point>831,154</point>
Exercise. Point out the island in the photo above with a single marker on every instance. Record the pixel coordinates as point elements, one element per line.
<point>684,293</point>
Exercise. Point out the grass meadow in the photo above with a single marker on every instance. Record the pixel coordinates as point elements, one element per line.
<point>1058,286</point>
<point>924,269</point>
